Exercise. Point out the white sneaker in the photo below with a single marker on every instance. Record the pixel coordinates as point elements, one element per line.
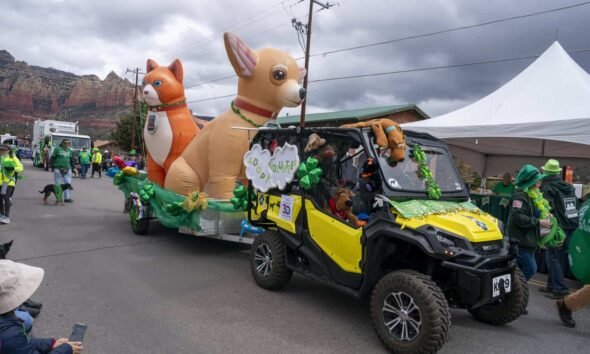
<point>4,219</point>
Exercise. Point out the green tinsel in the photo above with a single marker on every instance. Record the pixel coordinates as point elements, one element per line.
<point>424,173</point>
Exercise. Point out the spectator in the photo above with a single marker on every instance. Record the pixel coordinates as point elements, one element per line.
<point>17,283</point>
<point>523,220</point>
<point>84,158</point>
<point>61,165</point>
<point>9,167</point>
<point>564,206</point>
<point>96,162</point>
<point>506,187</point>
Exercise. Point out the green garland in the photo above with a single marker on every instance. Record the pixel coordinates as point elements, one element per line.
<point>237,111</point>
<point>540,202</point>
<point>240,199</point>
<point>424,173</point>
<point>556,235</point>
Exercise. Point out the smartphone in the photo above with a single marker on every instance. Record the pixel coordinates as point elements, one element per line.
<point>78,332</point>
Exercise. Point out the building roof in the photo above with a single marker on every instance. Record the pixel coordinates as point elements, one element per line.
<point>100,143</point>
<point>358,114</point>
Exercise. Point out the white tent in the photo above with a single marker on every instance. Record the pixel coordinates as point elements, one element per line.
<point>542,113</point>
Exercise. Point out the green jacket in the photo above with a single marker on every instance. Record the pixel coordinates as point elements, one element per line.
<point>61,158</point>
<point>84,158</point>
<point>523,225</point>
<point>562,198</point>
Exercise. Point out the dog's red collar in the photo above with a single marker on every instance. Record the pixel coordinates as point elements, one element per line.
<point>253,109</point>
<point>168,107</point>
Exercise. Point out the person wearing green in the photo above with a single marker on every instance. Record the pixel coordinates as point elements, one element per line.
<point>9,167</point>
<point>506,187</point>
<point>84,159</point>
<point>61,165</point>
<point>564,206</point>
<point>524,220</point>
<point>96,162</point>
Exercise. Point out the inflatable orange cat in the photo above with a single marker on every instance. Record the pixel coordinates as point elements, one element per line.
<point>169,125</point>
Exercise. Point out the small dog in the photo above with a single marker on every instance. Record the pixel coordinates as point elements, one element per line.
<point>50,188</point>
<point>4,248</point>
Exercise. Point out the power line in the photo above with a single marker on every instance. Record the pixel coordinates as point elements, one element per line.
<point>518,17</point>
<point>425,35</point>
<point>251,19</point>
<point>411,71</point>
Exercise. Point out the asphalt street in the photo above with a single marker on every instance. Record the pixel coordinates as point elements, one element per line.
<point>170,293</point>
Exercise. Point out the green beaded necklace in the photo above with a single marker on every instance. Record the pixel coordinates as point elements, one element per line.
<point>237,111</point>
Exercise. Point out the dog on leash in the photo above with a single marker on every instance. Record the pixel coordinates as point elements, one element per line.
<point>50,188</point>
<point>269,79</point>
<point>169,125</point>
<point>4,248</point>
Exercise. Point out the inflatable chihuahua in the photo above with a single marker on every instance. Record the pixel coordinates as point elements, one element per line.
<point>169,125</point>
<point>268,81</point>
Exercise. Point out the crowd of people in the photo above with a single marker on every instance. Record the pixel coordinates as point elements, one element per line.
<point>538,201</point>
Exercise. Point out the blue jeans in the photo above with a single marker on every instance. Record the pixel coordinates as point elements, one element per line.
<point>67,178</point>
<point>526,262</point>
<point>26,318</point>
<point>85,168</point>
<point>555,278</point>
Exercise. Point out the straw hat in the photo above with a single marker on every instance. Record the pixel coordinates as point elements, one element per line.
<point>17,283</point>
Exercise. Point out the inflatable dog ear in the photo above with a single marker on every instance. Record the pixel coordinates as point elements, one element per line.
<point>242,58</point>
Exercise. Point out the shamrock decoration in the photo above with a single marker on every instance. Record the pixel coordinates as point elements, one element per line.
<point>424,173</point>
<point>174,209</point>
<point>309,173</point>
<point>147,192</point>
<point>195,201</point>
<point>240,199</point>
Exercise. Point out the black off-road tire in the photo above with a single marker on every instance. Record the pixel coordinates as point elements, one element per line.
<point>139,226</point>
<point>508,309</point>
<point>433,312</point>
<point>267,261</point>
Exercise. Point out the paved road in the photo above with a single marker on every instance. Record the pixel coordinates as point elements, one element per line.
<point>166,293</point>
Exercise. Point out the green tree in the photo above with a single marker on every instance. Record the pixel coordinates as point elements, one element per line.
<point>122,132</point>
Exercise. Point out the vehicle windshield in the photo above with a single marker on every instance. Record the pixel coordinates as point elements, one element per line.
<point>77,142</point>
<point>404,176</point>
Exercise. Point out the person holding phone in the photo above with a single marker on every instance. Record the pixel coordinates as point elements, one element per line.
<point>17,283</point>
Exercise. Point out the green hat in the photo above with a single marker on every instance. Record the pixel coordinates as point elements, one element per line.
<point>551,167</point>
<point>132,152</point>
<point>528,176</point>
<point>95,150</point>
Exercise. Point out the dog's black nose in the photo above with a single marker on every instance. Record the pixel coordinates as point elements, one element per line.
<point>302,93</point>
<point>348,203</point>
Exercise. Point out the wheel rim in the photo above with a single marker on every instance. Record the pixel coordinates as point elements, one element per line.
<point>263,260</point>
<point>401,316</point>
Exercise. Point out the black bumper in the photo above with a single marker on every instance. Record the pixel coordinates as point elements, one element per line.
<point>473,282</point>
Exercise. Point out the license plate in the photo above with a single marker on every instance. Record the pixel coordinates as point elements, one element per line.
<point>503,281</point>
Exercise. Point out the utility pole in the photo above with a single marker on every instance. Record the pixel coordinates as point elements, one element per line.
<point>134,118</point>
<point>307,49</point>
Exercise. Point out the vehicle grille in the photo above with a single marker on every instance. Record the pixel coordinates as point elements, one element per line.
<point>488,248</point>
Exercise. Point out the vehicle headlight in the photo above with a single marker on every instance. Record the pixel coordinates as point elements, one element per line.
<point>445,241</point>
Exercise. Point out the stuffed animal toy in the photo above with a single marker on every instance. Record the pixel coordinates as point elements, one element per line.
<point>314,143</point>
<point>388,134</point>
<point>341,206</point>
<point>169,125</point>
<point>268,81</point>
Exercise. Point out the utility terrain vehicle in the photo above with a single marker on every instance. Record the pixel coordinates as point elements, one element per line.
<point>415,257</point>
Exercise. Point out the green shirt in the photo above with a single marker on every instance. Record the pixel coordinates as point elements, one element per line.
<point>84,158</point>
<point>504,191</point>
<point>61,157</point>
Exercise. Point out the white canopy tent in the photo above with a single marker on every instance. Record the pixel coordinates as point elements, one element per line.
<point>542,113</point>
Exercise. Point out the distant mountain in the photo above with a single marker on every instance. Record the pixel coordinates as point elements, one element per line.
<point>29,92</point>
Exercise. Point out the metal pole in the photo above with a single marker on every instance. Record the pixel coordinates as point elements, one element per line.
<point>307,48</point>
<point>134,110</point>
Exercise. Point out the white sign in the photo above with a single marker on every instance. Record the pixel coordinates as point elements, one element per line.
<point>283,165</point>
<point>266,171</point>
<point>286,212</point>
<point>257,168</point>
<point>501,285</point>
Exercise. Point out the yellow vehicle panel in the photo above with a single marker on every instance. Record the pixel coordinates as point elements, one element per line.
<point>475,227</point>
<point>291,207</point>
<point>341,242</point>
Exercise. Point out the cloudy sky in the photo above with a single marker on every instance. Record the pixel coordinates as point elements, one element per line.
<point>96,37</point>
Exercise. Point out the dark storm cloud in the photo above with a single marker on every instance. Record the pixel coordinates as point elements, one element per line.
<point>99,36</point>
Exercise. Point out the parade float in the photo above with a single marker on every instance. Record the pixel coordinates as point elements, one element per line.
<point>367,209</point>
